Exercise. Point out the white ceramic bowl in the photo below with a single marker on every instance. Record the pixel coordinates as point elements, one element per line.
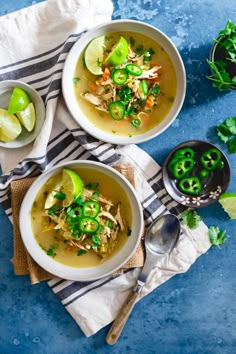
<point>72,273</point>
<point>117,26</point>
<point>25,138</point>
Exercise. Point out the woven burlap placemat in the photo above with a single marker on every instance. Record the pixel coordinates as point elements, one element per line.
<point>23,262</point>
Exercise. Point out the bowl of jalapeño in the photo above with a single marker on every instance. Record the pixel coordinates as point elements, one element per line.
<point>196,173</point>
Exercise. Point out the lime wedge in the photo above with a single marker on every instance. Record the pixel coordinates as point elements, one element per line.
<point>72,185</point>
<point>93,55</point>
<point>50,200</point>
<point>119,52</point>
<point>228,202</point>
<point>19,100</point>
<point>10,126</point>
<point>27,117</point>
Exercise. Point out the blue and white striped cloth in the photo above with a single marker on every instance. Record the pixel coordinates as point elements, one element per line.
<point>38,58</point>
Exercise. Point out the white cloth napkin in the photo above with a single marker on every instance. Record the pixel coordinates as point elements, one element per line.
<point>44,34</point>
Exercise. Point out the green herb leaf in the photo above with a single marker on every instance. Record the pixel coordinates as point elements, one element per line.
<point>109,224</point>
<point>132,41</point>
<point>155,90</point>
<point>60,196</point>
<point>96,194</point>
<point>232,145</point>
<point>136,122</point>
<point>191,218</point>
<point>96,240</point>
<point>51,251</point>
<point>81,252</point>
<point>226,131</point>
<point>92,185</point>
<point>54,210</point>
<point>75,80</point>
<point>216,236</point>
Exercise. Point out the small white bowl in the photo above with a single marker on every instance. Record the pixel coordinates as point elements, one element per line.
<point>72,273</point>
<point>119,26</point>
<point>25,138</point>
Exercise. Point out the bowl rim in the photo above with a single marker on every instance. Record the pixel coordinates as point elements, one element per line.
<point>29,137</point>
<point>165,173</point>
<point>68,272</point>
<point>76,112</point>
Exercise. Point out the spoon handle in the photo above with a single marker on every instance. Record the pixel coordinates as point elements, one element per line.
<point>121,319</point>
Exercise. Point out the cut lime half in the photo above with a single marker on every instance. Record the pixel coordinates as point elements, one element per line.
<point>10,126</point>
<point>228,202</point>
<point>93,55</point>
<point>19,100</point>
<point>27,117</point>
<point>72,185</point>
<point>118,53</point>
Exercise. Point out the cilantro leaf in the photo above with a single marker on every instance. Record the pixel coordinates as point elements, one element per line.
<point>226,131</point>
<point>92,185</point>
<point>216,236</point>
<point>232,145</point>
<point>75,80</point>
<point>51,251</point>
<point>191,218</point>
<point>81,252</point>
<point>60,196</point>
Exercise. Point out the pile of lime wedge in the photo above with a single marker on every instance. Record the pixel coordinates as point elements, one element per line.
<point>20,112</point>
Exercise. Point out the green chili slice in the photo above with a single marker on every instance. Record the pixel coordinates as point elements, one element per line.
<point>117,110</point>
<point>119,76</point>
<point>190,185</point>
<point>134,69</point>
<point>91,208</point>
<point>88,225</point>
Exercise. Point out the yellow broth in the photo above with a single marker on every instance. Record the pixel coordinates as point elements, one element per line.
<point>110,189</point>
<point>168,84</point>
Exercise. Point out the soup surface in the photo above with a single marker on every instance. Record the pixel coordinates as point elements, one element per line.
<point>145,89</point>
<point>64,233</point>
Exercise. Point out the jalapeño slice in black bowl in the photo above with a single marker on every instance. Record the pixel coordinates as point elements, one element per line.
<point>196,173</point>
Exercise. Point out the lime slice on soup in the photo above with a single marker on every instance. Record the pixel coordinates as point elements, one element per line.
<point>228,202</point>
<point>10,126</point>
<point>51,200</point>
<point>27,117</point>
<point>72,185</point>
<point>93,55</point>
<point>19,100</point>
<point>118,53</point>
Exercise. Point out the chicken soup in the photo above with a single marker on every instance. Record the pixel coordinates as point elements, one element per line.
<point>81,217</point>
<point>125,83</point>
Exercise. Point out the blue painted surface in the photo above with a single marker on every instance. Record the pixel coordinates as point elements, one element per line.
<point>193,312</point>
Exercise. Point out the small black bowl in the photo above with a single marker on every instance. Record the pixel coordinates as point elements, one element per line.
<point>212,186</point>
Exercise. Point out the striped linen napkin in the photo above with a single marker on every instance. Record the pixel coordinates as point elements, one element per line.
<point>35,53</point>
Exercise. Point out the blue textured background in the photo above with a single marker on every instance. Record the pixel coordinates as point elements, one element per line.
<point>192,313</point>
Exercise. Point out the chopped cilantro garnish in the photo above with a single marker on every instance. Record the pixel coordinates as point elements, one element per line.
<point>132,41</point>
<point>129,231</point>
<point>75,80</point>
<point>191,218</point>
<point>125,94</point>
<point>54,210</point>
<point>95,195</point>
<point>78,200</point>
<point>81,252</point>
<point>108,38</point>
<point>109,224</point>
<point>139,49</point>
<point>60,196</point>
<point>136,122</point>
<point>147,55</point>
<point>92,185</point>
<point>96,240</point>
<point>216,236</point>
<point>51,251</point>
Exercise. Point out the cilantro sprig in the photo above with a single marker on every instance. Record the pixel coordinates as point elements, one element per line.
<point>224,75</point>
<point>216,236</point>
<point>226,131</point>
<point>191,218</point>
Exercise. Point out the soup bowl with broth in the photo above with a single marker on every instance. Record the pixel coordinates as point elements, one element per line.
<point>81,220</point>
<point>124,82</point>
